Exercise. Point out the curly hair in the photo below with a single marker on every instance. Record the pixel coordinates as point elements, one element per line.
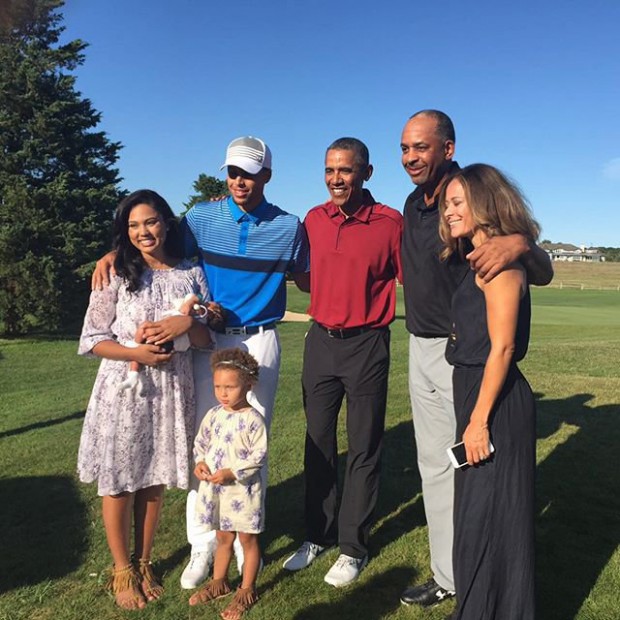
<point>497,205</point>
<point>236,359</point>
<point>128,262</point>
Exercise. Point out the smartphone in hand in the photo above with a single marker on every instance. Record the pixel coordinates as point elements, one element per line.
<point>458,456</point>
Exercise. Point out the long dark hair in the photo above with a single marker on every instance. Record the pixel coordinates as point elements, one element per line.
<point>128,262</point>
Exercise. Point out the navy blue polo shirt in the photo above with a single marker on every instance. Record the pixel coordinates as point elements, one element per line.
<point>428,281</point>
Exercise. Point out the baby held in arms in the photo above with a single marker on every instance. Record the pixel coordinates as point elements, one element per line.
<point>190,305</point>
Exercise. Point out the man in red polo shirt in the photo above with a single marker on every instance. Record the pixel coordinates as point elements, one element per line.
<point>354,263</point>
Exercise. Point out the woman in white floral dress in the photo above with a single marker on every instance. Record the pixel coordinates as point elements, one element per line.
<point>137,442</point>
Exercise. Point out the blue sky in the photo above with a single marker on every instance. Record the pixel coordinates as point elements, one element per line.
<point>532,87</point>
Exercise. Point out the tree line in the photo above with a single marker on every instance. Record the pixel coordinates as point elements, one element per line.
<point>611,255</point>
<point>59,184</point>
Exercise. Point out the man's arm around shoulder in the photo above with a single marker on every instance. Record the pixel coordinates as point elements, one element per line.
<point>498,252</point>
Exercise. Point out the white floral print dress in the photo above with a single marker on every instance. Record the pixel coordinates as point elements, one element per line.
<point>235,440</point>
<point>134,439</point>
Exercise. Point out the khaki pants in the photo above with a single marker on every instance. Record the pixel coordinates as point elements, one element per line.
<point>434,423</point>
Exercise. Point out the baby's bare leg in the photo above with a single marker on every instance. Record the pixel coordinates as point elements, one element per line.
<point>133,375</point>
<point>139,339</point>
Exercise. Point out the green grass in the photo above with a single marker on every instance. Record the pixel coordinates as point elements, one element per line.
<point>53,551</point>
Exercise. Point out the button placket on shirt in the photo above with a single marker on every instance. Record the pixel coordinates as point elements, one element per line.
<point>346,221</point>
<point>244,233</point>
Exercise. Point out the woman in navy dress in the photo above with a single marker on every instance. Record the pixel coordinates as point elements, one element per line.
<point>493,549</point>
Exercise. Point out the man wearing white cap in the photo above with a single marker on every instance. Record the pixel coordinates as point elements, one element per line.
<point>246,246</point>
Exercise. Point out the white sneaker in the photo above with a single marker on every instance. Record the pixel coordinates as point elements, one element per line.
<point>304,556</point>
<point>345,570</point>
<point>238,551</point>
<point>261,565</point>
<point>197,568</point>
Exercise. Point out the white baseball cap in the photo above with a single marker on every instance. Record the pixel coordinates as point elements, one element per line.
<point>248,153</point>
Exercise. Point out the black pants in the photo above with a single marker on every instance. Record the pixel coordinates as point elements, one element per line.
<point>494,506</point>
<point>358,368</point>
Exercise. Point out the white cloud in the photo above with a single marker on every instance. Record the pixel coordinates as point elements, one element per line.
<point>611,170</point>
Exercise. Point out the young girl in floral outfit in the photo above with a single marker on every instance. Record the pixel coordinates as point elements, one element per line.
<point>230,449</point>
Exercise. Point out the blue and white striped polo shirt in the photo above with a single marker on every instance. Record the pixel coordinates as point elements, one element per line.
<point>245,256</point>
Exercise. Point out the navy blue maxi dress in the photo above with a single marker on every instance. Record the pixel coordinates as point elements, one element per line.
<point>493,549</point>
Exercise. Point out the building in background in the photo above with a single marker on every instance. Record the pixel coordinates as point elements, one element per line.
<point>572,253</point>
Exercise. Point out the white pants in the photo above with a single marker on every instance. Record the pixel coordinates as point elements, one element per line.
<point>265,347</point>
<point>434,423</point>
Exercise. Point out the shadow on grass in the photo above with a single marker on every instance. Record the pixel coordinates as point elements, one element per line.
<point>171,562</point>
<point>400,482</point>
<point>578,503</point>
<point>577,506</point>
<point>70,333</point>
<point>362,601</point>
<point>42,529</point>
<point>30,427</point>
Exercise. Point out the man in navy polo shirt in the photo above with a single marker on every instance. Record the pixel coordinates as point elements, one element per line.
<point>427,146</point>
<point>355,260</point>
<point>246,246</point>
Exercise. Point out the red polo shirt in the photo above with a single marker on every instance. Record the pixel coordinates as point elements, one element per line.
<point>353,264</point>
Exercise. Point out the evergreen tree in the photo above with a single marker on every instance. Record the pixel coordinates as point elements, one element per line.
<point>206,188</point>
<point>58,184</point>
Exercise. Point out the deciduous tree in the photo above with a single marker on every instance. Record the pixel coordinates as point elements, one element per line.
<point>206,188</point>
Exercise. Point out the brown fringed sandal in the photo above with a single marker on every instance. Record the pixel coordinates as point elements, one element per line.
<point>151,586</point>
<point>244,599</point>
<point>124,584</point>
<point>216,588</point>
